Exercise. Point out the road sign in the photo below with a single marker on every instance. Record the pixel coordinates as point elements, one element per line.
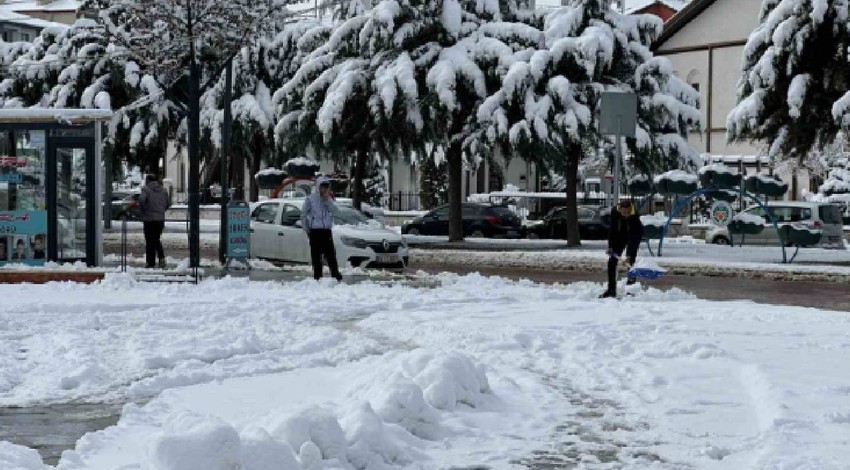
<point>618,114</point>
<point>618,117</point>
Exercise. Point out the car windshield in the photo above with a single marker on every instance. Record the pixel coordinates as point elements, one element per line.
<point>345,216</point>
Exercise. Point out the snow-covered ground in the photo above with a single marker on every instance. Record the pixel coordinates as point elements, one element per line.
<point>474,373</point>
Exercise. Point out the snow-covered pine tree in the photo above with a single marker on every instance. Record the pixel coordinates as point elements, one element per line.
<point>164,36</point>
<point>77,67</point>
<point>793,90</point>
<point>459,50</point>
<point>325,105</point>
<point>258,69</point>
<point>348,93</point>
<point>546,107</point>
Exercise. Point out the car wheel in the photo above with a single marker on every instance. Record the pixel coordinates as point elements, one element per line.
<point>413,231</point>
<point>720,241</point>
<point>476,234</point>
<point>533,236</point>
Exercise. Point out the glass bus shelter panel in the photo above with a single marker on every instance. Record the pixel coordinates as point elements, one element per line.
<point>71,210</point>
<point>23,218</point>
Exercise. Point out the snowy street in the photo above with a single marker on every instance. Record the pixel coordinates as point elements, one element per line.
<point>468,372</point>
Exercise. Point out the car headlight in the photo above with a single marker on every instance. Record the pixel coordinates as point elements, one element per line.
<point>355,242</point>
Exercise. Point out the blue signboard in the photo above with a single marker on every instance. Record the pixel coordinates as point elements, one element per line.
<point>15,178</point>
<point>238,231</point>
<point>23,237</point>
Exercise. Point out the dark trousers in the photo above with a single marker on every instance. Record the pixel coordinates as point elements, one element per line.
<point>613,261</point>
<point>322,244</point>
<point>153,242</point>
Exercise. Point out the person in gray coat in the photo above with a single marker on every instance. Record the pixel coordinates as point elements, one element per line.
<point>154,201</point>
<point>317,219</point>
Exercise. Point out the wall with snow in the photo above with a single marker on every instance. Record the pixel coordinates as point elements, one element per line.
<point>724,20</point>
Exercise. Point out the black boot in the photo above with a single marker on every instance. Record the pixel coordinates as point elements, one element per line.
<point>608,294</point>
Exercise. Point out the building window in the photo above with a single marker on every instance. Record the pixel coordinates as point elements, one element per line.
<point>25,37</point>
<point>5,36</point>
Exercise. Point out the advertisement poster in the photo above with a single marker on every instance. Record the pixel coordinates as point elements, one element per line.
<point>238,231</point>
<point>23,237</point>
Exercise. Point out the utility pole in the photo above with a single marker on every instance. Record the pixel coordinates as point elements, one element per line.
<point>194,150</point>
<point>225,154</point>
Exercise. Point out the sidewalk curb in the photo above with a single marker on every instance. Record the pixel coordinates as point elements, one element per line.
<point>533,261</point>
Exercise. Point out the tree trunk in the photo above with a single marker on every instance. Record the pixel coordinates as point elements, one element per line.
<point>574,154</point>
<point>455,164</point>
<point>360,162</point>
<point>255,168</point>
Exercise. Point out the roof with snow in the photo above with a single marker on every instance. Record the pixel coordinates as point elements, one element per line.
<point>75,116</point>
<point>7,16</point>
<point>24,6</point>
<point>634,6</point>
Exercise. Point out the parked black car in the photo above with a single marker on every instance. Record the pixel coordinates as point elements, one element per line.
<point>593,223</point>
<point>479,220</point>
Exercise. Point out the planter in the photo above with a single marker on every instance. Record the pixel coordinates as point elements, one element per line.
<point>641,186</point>
<point>301,167</point>
<point>722,195</point>
<point>800,236</point>
<point>676,182</point>
<point>767,185</point>
<point>270,178</point>
<point>719,180</point>
<point>651,232</point>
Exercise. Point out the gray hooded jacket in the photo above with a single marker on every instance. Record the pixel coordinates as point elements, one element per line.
<point>154,201</point>
<point>318,213</point>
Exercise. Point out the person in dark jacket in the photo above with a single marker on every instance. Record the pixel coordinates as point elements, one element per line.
<point>317,219</point>
<point>154,201</point>
<point>625,234</point>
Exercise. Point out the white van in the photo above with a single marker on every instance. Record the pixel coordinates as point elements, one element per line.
<point>813,215</point>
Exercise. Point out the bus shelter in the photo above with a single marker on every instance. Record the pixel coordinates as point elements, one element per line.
<point>51,186</point>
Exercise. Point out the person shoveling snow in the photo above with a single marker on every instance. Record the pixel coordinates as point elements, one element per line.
<point>624,235</point>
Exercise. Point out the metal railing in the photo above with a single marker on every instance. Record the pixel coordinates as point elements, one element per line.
<point>194,271</point>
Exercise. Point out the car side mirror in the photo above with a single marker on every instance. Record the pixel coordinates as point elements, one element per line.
<point>298,224</point>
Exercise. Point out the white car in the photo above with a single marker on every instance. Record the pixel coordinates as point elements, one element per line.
<point>821,216</point>
<point>276,234</point>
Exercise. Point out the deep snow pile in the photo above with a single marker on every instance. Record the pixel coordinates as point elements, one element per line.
<point>475,372</point>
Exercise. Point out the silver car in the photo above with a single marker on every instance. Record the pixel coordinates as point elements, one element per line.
<point>821,216</point>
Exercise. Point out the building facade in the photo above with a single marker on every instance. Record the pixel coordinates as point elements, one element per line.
<point>705,43</point>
